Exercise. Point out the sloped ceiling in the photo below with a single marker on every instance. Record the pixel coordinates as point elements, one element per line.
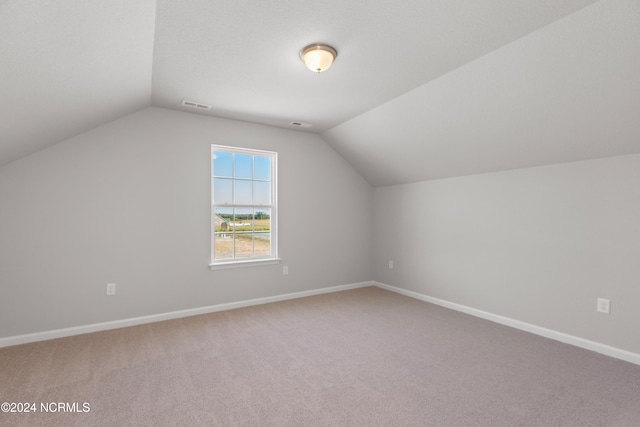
<point>70,65</point>
<point>568,92</point>
<point>241,57</point>
<point>421,89</point>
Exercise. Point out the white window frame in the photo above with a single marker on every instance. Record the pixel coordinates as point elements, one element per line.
<point>253,261</point>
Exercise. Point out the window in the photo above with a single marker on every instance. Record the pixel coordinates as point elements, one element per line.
<point>243,206</point>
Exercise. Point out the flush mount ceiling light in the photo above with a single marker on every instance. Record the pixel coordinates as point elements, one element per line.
<point>318,57</point>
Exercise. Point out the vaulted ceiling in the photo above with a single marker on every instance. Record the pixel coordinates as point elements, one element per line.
<point>421,89</point>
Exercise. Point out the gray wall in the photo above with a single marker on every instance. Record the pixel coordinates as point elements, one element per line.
<point>538,245</point>
<point>129,203</point>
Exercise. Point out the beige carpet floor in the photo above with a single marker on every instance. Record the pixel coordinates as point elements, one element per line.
<point>366,357</point>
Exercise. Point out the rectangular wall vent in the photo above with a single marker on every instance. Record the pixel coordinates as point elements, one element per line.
<point>300,124</point>
<point>192,104</point>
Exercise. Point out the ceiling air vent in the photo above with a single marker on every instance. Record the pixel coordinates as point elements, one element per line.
<point>300,124</point>
<point>192,104</point>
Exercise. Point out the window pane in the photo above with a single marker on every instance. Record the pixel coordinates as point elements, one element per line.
<point>243,219</point>
<point>262,168</point>
<point>263,220</point>
<point>222,245</point>
<point>222,191</point>
<point>222,164</point>
<point>243,166</point>
<point>261,193</point>
<point>262,244</point>
<point>243,192</point>
<point>244,245</point>
<point>222,220</point>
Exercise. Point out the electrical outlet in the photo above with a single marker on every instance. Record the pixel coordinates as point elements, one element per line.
<point>285,270</point>
<point>390,265</point>
<point>111,288</point>
<point>604,305</point>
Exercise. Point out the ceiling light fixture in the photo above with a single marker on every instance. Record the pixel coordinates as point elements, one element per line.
<point>318,57</point>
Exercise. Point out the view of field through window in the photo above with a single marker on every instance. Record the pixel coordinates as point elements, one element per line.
<point>241,205</point>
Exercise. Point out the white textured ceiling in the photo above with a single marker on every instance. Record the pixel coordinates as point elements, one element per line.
<point>421,89</point>
<point>69,65</point>
<point>241,57</point>
<point>568,92</point>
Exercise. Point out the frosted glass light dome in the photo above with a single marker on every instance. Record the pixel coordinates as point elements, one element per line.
<point>318,57</point>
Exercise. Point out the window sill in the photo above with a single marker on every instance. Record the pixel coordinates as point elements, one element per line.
<point>247,263</point>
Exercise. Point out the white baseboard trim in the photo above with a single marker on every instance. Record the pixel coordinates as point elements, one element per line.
<point>104,326</point>
<point>517,324</point>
